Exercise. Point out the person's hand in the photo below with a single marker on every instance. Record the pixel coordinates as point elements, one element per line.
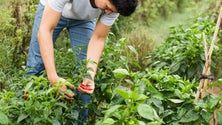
<point>64,86</point>
<point>87,86</point>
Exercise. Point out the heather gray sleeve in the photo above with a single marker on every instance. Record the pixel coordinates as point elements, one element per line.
<point>108,20</point>
<point>57,5</point>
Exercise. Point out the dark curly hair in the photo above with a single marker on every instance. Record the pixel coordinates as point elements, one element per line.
<point>125,7</point>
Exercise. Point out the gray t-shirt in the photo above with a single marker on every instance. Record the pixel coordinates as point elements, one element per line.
<point>80,10</point>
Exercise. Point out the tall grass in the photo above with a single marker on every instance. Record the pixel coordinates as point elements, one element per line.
<point>143,43</point>
<point>4,3</point>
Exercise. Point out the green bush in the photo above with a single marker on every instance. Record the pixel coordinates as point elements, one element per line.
<point>44,104</point>
<point>157,98</point>
<point>15,35</point>
<point>123,95</point>
<point>183,51</point>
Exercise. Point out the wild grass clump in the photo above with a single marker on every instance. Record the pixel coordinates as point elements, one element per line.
<point>139,44</point>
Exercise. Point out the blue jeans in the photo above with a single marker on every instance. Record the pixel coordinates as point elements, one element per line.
<point>80,32</point>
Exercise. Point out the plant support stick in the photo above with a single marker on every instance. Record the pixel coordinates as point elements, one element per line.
<point>206,70</point>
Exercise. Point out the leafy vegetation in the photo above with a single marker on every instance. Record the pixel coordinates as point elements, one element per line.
<point>183,51</point>
<point>15,28</point>
<point>44,104</point>
<point>122,96</point>
<point>134,85</point>
<point>158,98</point>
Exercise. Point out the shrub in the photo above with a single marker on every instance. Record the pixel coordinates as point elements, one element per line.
<point>183,51</point>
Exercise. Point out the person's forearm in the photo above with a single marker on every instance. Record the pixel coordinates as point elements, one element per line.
<point>47,53</point>
<point>94,52</point>
<point>49,21</point>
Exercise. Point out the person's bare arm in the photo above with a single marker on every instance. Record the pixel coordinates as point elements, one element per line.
<point>49,21</point>
<point>94,52</point>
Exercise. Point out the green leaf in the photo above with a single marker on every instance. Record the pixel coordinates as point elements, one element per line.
<point>3,119</point>
<point>133,50</point>
<point>167,113</point>
<point>22,117</point>
<point>212,102</point>
<point>49,90</point>
<point>28,86</point>
<point>111,110</point>
<point>176,100</point>
<point>55,122</point>
<point>142,123</point>
<point>146,111</point>
<point>191,71</point>
<point>190,116</point>
<point>154,123</point>
<point>174,67</point>
<point>124,93</point>
<point>69,91</point>
<point>157,103</point>
<point>120,73</point>
<point>150,86</point>
<point>37,119</point>
<point>108,121</point>
<point>61,105</point>
<point>219,118</point>
<point>137,97</point>
<point>206,115</point>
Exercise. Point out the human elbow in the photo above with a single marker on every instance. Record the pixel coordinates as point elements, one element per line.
<point>43,32</point>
